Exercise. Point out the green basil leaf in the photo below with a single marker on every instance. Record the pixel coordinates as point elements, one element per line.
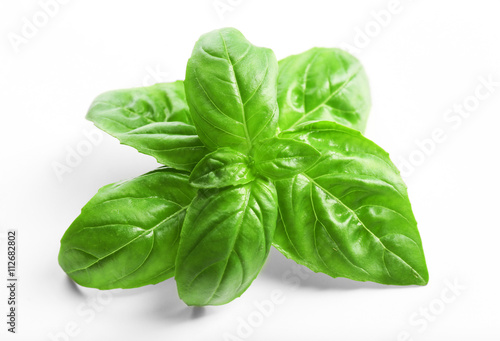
<point>231,90</point>
<point>155,120</point>
<point>225,241</point>
<point>349,215</point>
<point>279,158</point>
<point>127,235</point>
<point>323,84</point>
<point>222,168</point>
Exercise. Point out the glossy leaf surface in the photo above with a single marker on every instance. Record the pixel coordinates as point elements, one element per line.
<point>222,168</point>
<point>323,84</point>
<point>279,158</point>
<point>154,120</point>
<point>349,215</point>
<point>225,241</point>
<point>231,90</point>
<point>127,235</point>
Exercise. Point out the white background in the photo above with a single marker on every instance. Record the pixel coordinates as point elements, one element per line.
<point>427,58</point>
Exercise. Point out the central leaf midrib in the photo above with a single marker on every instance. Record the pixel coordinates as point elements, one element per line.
<point>231,67</point>
<point>129,242</point>
<point>240,223</point>
<point>362,224</point>
<point>328,233</point>
<point>328,98</point>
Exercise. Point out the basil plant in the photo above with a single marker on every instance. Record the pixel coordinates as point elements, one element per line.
<point>255,153</point>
